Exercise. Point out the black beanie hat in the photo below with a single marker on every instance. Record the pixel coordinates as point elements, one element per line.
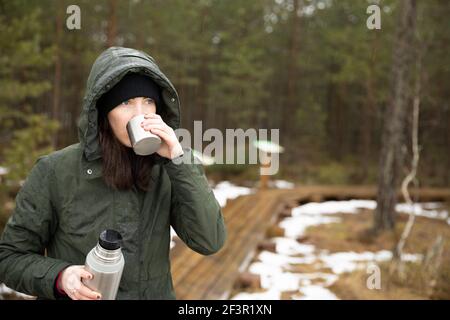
<point>132,85</point>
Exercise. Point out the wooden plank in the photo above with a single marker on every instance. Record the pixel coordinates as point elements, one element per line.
<point>215,275</point>
<point>186,259</point>
<point>222,284</point>
<point>186,284</point>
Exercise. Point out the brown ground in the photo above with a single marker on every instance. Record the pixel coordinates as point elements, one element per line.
<point>351,235</point>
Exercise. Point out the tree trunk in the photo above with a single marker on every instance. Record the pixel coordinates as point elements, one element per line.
<point>368,109</point>
<point>112,23</point>
<point>448,144</point>
<point>289,108</point>
<point>202,72</point>
<point>395,117</point>
<point>57,71</point>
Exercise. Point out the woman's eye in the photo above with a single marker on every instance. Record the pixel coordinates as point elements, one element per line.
<point>149,100</point>
<point>126,102</point>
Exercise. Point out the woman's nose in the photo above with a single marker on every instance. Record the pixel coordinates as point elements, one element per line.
<point>138,107</point>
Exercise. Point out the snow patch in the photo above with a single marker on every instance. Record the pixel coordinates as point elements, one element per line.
<point>281,260</point>
<point>292,247</point>
<point>282,184</point>
<point>428,210</point>
<point>315,292</point>
<point>333,207</point>
<point>225,190</point>
<point>276,269</point>
<point>5,291</point>
<point>296,226</point>
<point>266,295</point>
<point>3,171</point>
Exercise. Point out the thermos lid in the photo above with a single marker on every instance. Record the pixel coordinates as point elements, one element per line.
<point>110,239</point>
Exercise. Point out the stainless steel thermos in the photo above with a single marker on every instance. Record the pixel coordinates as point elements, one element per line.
<point>105,262</point>
<point>143,142</point>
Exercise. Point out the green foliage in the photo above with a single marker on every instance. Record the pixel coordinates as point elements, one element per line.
<point>332,173</point>
<point>27,145</point>
<point>231,62</point>
<point>24,56</point>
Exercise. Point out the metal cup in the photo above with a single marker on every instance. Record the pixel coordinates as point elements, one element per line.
<point>143,142</point>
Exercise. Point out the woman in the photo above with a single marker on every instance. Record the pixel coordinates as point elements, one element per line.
<point>71,195</point>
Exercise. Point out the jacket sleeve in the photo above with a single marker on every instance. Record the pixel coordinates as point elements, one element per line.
<point>195,215</point>
<point>23,266</point>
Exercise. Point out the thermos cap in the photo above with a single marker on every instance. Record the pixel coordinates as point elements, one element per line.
<point>110,239</point>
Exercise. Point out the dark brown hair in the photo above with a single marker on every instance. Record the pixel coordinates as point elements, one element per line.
<point>122,168</point>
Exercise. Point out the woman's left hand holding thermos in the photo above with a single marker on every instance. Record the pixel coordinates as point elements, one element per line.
<point>70,282</point>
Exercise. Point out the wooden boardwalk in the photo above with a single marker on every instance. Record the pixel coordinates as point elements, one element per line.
<point>247,219</point>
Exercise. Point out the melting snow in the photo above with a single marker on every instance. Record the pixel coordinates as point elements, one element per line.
<point>333,207</point>
<point>266,295</point>
<point>428,210</point>
<point>276,269</point>
<point>341,262</point>
<point>282,184</point>
<point>296,226</point>
<point>226,190</point>
<point>3,171</point>
<point>172,235</point>
<point>315,292</point>
<point>4,291</point>
<point>292,247</point>
<point>280,260</point>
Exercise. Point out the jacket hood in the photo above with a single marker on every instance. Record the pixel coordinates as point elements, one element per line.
<point>107,70</point>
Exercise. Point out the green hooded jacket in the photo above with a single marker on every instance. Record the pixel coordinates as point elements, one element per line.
<point>64,203</point>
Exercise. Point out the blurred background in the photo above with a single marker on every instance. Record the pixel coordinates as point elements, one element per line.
<point>343,96</point>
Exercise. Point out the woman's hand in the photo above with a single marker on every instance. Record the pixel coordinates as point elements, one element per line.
<point>70,282</point>
<point>170,146</point>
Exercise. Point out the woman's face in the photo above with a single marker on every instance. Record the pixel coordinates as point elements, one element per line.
<point>120,115</point>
